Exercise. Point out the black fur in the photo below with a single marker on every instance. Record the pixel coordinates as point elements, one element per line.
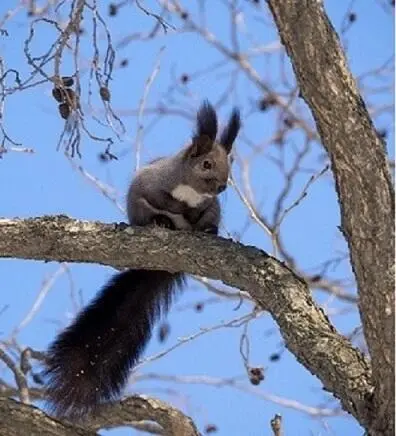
<point>89,362</point>
<point>206,121</point>
<point>230,132</point>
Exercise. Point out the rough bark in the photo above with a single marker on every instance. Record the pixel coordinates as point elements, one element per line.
<point>18,419</point>
<point>363,181</point>
<point>139,408</point>
<point>306,330</point>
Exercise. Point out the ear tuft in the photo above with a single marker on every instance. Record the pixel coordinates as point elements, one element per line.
<point>206,121</point>
<point>230,132</point>
<point>201,145</point>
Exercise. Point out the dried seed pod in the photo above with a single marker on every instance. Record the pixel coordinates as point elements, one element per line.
<point>256,375</point>
<point>104,93</point>
<point>58,94</point>
<point>64,110</point>
<point>71,98</point>
<point>67,81</point>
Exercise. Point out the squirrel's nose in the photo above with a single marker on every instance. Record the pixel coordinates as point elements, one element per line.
<point>221,188</point>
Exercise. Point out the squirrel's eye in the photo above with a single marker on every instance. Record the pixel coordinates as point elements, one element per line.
<point>207,164</point>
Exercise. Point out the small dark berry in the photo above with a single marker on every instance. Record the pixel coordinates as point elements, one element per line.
<point>256,375</point>
<point>124,63</point>
<point>104,93</point>
<point>113,9</point>
<point>352,17</point>
<point>254,380</point>
<point>257,372</point>
<point>316,278</point>
<point>184,78</point>
<point>184,15</point>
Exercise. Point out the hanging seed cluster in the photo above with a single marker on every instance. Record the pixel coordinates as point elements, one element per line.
<point>66,97</point>
<point>256,375</point>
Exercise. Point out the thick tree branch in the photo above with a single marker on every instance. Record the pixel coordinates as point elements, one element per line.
<point>138,408</point>
<point>17,419</point>
<point>305,328</point>
<point>362,177</point>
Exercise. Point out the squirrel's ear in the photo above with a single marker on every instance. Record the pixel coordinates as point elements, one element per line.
<point>230,132</point>
<point>201,145</point>
<point>206,121</point>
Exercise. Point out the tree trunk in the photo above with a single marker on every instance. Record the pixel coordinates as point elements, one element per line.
<point>363,184</point>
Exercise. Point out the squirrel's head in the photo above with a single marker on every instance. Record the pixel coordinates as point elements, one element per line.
<point>206,160</point>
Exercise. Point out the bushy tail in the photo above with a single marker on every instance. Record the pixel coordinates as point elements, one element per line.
<point>88,363</point>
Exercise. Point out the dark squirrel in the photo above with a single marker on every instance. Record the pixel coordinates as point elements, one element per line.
<point>89,362</point>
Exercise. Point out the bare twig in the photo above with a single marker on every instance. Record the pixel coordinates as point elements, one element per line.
<point>276,425</point>
<point>20,379</point>
<point>139,130</point>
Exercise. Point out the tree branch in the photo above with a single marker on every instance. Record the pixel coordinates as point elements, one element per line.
<point>362,178</point>
<point>18,419</point>
<point>138,408</point>
<point>305,328</point>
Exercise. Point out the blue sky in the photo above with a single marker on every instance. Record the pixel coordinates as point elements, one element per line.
<point>45,183</point>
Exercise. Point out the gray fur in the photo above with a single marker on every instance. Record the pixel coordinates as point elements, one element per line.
<point>181,187</point>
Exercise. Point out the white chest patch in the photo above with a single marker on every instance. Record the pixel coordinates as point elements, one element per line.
<point>189,195</point>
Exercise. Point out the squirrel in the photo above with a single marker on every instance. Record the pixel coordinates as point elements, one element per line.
<point>88,363</point>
